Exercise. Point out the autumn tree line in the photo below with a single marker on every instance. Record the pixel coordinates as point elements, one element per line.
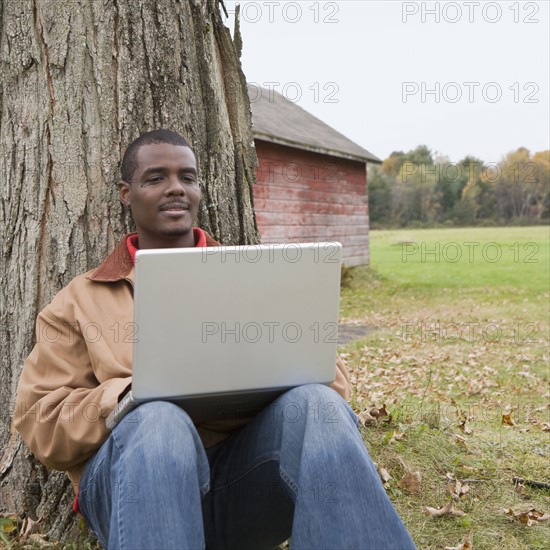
<point>418,189</point>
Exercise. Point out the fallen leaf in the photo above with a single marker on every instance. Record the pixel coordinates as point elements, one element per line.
<point>467,544</point>
<point>465,428</point>
<point>366,419</point>
<point>377,413</point>
<point>397,436</point>
<point>526,519</point>
<point>529,517</point>
<point>447,510</point>
<point>460,440</point>
<point>508,420</point>
<point>29,527</point>
<point>39,540</point>
<point>458,490</point>
<point>463,418</point>
<point>384,475</point>
<point>546,426</point>
<point>382,411</point>
<point>411,481</point>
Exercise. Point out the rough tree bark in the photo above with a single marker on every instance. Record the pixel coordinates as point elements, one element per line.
<point>79,80</point>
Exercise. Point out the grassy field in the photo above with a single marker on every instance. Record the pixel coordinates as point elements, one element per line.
<point>458,353</point>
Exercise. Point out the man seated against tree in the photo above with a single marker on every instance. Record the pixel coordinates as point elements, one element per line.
<point>160,481</point>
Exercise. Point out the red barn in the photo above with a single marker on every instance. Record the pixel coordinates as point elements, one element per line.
<point>311,180</point>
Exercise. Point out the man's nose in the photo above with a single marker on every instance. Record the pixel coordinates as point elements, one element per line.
<point>175,186</point>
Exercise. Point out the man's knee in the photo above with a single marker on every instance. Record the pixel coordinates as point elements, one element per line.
<point>158,428</point>
<point>161,443</point>
<point>312,403</point>
<point>156,416</point>
<point>315,392</point>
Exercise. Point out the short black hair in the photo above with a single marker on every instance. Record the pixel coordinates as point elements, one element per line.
<point>129,161</point>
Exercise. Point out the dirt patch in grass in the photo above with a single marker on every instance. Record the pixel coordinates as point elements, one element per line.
<point>349,332</point>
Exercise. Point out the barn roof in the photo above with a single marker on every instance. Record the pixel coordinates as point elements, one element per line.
<point>279,120</point>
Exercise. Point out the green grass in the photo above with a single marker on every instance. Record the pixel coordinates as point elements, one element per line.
<point>457,345</point>
<point>464,258</point>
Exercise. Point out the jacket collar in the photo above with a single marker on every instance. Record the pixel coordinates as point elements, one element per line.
<point>118,264</point>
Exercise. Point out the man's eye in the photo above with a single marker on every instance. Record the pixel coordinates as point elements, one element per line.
<point>154,179</point>
<point>189,179</point>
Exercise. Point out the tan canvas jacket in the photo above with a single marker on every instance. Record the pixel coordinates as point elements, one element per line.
<point>81,364</point>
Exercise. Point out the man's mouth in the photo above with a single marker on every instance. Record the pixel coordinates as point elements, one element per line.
<point>174,209</point>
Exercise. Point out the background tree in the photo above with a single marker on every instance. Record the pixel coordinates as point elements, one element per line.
<point>414,188</point>
<point>414,196</point>
<point>522,186</point>
<point>79,80</point>
<point>513,184</point>
<point>541,203</point>
<point>380,195</point>
<point>460,184</point>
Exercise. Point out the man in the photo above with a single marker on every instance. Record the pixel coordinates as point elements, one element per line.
<point>159,481</point>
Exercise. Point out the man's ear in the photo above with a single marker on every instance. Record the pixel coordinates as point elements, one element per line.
<point>124,192</point>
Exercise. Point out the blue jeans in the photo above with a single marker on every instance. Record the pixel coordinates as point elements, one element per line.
<point>299,469</point>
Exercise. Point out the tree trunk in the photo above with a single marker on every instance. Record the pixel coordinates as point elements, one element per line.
<point>80,79</point>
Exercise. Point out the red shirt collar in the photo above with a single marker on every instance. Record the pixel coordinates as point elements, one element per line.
<point>132,242</point>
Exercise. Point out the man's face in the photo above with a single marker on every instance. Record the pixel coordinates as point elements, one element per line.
<point>163,195</point>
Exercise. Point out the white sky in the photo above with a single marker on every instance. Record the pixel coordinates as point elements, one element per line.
<point>346,62</point>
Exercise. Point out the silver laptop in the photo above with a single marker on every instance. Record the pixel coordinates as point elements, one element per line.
<point>222,331</point>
